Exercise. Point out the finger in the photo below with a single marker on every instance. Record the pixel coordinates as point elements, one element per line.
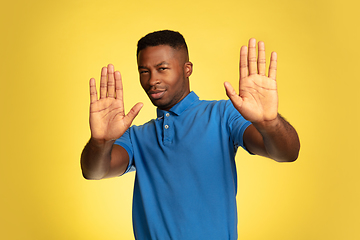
<point>261,64</point>
<point>118,86</point>
<point>233,96</point>
<point>230,91</point>
<point>93,92</point>
<point>252,57</point>
<point>273,66</point>
<point>243,62</point>
<point>128,119</point>
<point>111,81</point>
<point>103,83</point>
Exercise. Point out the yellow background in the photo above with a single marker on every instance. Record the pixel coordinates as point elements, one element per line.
<point>50,50</point>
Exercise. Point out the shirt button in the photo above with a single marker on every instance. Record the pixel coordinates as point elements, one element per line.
<point>166,126</point>
<point>168,114</point>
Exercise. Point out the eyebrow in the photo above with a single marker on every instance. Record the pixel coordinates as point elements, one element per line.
<point>162,63</point>
<point>157,65</point>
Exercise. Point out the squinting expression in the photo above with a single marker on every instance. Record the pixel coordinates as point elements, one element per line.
<point>164,74</point>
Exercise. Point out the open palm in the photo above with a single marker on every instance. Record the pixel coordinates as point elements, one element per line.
<point>257,100</point>
<point>107,115</point>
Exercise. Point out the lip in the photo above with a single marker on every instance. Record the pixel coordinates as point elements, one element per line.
<point>156,94</point>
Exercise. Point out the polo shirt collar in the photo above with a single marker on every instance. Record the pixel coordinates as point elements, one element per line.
<point>181,106</point>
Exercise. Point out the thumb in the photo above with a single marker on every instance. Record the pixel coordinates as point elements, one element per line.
<point>231,93</point>
<point>134,111</point>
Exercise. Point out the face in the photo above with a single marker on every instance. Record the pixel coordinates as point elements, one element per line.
<point>164,75</point>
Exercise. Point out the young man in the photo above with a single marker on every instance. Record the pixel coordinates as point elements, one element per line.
<point>185,183</point>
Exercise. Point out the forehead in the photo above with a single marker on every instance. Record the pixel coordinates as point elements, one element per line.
<point>157,54</point>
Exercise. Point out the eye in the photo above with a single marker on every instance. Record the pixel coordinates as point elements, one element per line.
<point>143,71</point>
<point>162,69</point>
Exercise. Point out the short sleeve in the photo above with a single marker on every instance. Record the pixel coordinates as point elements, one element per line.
<point>125,142</point>
<point>237,125</point>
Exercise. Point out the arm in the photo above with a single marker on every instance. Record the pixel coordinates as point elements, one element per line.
<point>100,157</point>
<point>278,140</point>
<point>270,135</point>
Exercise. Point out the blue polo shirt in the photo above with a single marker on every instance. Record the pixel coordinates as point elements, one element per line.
<point>185,183</point>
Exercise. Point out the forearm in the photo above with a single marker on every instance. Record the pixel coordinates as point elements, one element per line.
<point>281,141</point>
<point>96,159</point>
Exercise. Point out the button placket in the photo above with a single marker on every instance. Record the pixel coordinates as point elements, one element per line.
<point>167,130</point>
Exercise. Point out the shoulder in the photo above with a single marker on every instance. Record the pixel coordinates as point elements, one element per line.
<point>223,107</point>
<point>150,123</point>
<point>212,104</point>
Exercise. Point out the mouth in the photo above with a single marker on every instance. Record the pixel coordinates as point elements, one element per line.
<point>156,94</point>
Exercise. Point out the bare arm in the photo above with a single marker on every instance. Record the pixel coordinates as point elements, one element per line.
<point>278,140</point>
<point>270,135</point>
<point>100,157</point>
<point>103,160</point>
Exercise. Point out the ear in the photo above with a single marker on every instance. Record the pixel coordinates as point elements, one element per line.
<point>188,68</point>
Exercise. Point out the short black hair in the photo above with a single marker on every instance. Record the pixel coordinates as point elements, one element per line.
<point>163,37</point>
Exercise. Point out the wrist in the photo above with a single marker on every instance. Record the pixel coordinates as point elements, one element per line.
<point>268,124</point>
<point>101,142</point>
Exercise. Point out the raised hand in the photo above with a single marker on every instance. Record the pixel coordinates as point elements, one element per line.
<point>107,114</point>
<point>257,100</point>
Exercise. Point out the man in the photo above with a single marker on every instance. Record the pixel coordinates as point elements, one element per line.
<point>185,183</point>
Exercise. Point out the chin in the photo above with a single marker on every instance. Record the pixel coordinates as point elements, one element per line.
<point>162,106</point>
<point>158,103</point>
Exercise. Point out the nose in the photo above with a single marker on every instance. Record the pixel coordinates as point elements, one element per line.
<point>154,79</point>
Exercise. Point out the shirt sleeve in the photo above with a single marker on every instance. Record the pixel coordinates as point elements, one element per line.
<point>237,125</point>
<point>125,142</point>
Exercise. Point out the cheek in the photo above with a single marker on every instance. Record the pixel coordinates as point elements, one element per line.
<point>143,83</point>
